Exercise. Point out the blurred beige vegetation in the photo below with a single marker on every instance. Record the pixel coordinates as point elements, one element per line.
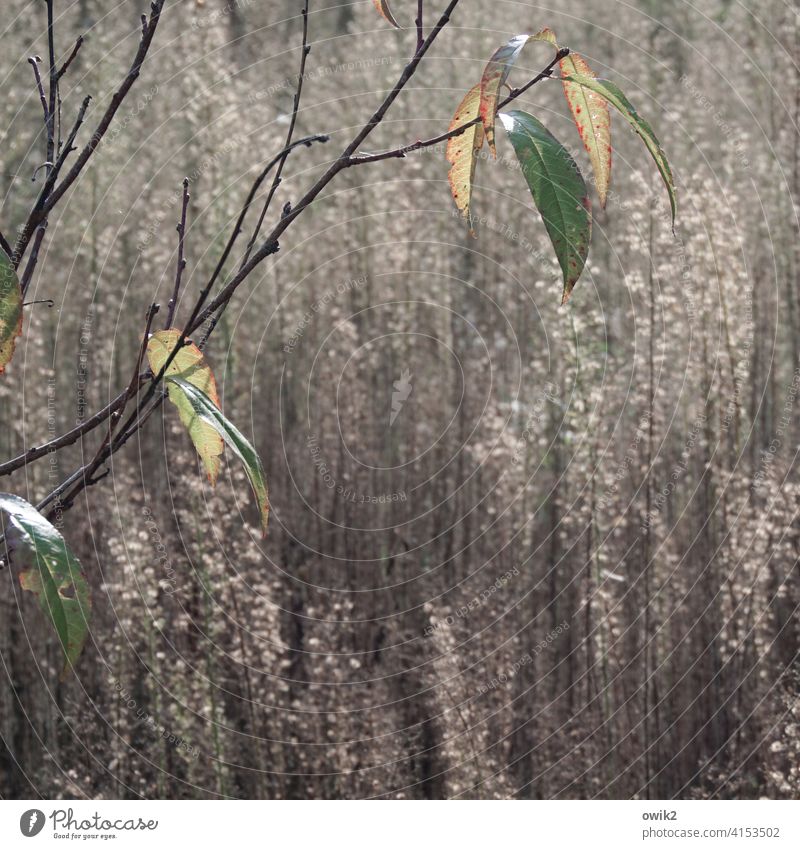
<point>331,660</point>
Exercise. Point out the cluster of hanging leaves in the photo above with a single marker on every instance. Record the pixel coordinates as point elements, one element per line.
<point>553,177</point>
<point>50,571</point>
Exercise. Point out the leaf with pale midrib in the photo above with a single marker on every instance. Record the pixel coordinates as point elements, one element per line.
<point>51,572</point>
<point>558,190</point>
<point>208,412</point>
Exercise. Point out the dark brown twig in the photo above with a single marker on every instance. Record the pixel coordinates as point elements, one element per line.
<point>305,50</point>
<point>33,61</point>
<point>80,479</point>
<point>51,194</point>
<point>63,69</point>
<point>53,86</point>
<point>400,152</point>
<point>418,23</point>
<point>181,228</point>
<point>87,474</point>
<point>69,438</point>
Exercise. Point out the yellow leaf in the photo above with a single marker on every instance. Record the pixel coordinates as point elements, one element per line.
<point>386,13</point>
<point>593,120</point>
<point>189,365</point>
<point>462,150</point>
<point>10,310</point>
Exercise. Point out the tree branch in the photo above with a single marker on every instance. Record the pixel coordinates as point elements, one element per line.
<point>400,152</point>
<point>63,69</point>
<point>51,194</point>
<point>305,50</point>
<point>181,228</point>
<point>79,480</point>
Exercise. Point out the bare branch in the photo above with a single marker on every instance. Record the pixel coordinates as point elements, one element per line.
<point>305,50</point>
<point>33,61</point>
<point>82,478</point>
<point>69,438</point>
<point>400,152</point>
<point>181,228</point>
<point>51,194</point>
<point>63,69</point>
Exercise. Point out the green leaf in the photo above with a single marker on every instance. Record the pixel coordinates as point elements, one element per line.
<point>208,412</point>
<point>558,190</point>
<point>591,115</point>
<point>10,310</point>
<point>53,574</point>
<point>190,365</point>
<point>617,99</point>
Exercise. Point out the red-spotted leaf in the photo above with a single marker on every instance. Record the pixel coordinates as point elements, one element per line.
<point>205,409</point>
<point>386,13</point>
<point>50,571</point>
<point>10,310</point>
<point>462,150</point>
<point>617,99</point>
<point>496,73</point>
<point>190,365</point>
<point>558,190</point>
<point>592,118</point>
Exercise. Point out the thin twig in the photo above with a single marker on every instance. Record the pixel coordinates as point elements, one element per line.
<point>418,23</point>
<point>63,69</point>
<point>181,228</point>
<point>87,477</point>
<point>33,61</point>
<point>5,245</point>
<point>79,479</point>
<point>69,438</point>
<point>53,194</point>
<point>400,152</point>
<point>30,266</point>
<point>305,50</point>
<point>53,87</point>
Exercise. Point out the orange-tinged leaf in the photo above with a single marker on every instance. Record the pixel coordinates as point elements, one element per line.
<point>190,366</point>
<point>614,95</point>
<point>10,310</point>
<point>494,76</point>
<point>463,149</point>
<point>496,73</point>
<point>385,11</point>
<point>593,119</point>
<point>547,35</point>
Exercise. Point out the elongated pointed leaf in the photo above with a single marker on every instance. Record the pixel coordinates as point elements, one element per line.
<point>386,13</point>
<point>205,409</point>
<point>592,118</point>
<point>51,572</point>
<point>462,150</point>
<point>494,76</point>
<point>558,190</point>
<point>496,73</point>
<point>190,365</point>
<point>617,99</point>
<point>10,310</point>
